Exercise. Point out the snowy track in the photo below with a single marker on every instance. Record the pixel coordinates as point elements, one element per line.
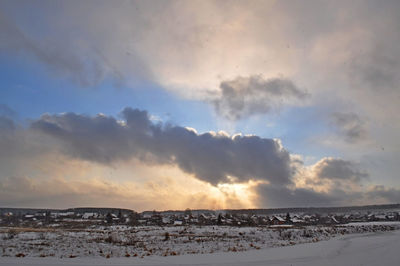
<point>360,249</point>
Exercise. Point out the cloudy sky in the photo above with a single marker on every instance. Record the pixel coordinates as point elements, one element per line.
<point>199,104</point>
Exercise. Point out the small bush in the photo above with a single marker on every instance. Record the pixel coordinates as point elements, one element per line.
<point>166,236</point>
<point>10,234</point>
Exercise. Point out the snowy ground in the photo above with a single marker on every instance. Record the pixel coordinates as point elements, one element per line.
<point>158,245</point>
<point>354,249</point>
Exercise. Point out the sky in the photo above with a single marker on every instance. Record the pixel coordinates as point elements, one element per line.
<point>158,105</point>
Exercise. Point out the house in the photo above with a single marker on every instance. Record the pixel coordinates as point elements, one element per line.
<point>334,220</point>
<point>298,221</point>
<point>178,222</point>
<point>277,220</point>
<point>166,220</point>
<point>146,216</point>
<point>89,215</point>
<point>30,217</point>
<point>204,219</point>
<point>62,214</point>
<point>380,217</point>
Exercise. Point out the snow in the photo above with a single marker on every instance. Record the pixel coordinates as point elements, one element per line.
<point>395,223</point>
<point>205,245</point>
<point>178,222</point>
<point>281,226</point>
<point>381,216</point>
<point>144,241</point>
<point>297,220</point>
<point>356,249</point>
<point>88,215</point>
<point>280,219</point>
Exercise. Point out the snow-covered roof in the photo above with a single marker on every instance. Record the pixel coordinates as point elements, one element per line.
<point>279,218</point>
<point>87,215</point>
<point>177,222</point>
<point>297,220</point>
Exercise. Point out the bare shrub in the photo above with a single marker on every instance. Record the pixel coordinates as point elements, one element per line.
<point>11,234</point>
<point>113,238</point>
<point>131,241</point>
<point>166,236</point>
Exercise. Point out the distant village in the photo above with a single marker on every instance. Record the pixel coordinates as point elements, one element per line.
<point>86,217</point>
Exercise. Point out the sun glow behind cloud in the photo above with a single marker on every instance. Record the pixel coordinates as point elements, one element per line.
<point>61,182</point>
<point>238,195</point>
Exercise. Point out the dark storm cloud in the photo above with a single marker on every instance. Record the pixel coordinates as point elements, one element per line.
<point>350,125</point>
<point>344,174</point>
<point>303,197</point>
<point>338,169</point>
<point>300,197</point>
<point>215,158</point>
<point>387,194</point>
<point>245,96</point>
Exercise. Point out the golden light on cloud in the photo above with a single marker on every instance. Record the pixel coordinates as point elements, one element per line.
<point>132,184</point>
<point>320,179</point>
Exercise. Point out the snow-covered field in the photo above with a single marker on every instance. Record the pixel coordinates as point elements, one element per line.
<point>354,249</point>
<point>353,244</point>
